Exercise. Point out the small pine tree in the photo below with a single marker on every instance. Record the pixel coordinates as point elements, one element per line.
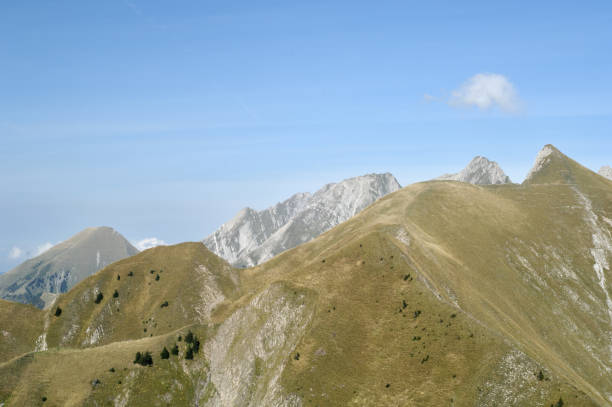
<point>196,345</point>
<point>540,376</point>
<point>189,337</point>
<point>138,358</point>
<point>165,354</point>
<point>175,350</point>
<point>180,338</point>
<point>189,353</point>
<point>559,403</point>
<point>157,277</point>
<point>118,277</point>
<point>99,298</point>
<point>115,294</point>
<point>164,304</point>
<point>147,359</point>
<point>58,311</point>
<point>130,274</point>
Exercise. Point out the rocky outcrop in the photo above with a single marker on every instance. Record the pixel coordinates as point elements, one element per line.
<point>606,171</point>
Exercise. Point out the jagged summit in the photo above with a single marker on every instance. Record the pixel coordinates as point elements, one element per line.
<point>606,171</point>
<point>37,281</point>
<point>480,171</point>
<point>253,237</point>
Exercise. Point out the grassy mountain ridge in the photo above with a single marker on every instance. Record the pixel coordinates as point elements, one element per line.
<point>442,293</point>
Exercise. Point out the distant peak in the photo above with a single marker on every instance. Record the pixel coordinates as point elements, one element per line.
<point>479,171</point>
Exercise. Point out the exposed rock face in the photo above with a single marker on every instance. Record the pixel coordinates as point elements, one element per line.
<point>37,281</point>
<point>253,237</point>
<point>480,171</point>
<point>606,171</point>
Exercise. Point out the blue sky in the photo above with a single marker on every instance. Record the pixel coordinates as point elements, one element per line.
<point>164,118</point>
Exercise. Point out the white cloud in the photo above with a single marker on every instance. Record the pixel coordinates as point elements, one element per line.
<point>15,253</point>
<point>487,90</point>
<point>42,248</point>
<point>148,243</point>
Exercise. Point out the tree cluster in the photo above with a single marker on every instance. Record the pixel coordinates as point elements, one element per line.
<point>143,359</point>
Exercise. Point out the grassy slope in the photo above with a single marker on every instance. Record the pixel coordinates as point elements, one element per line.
<point>137,312</point>
<point>20,325</point>
<point>502,276</point>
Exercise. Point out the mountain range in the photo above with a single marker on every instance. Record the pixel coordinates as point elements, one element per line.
<point>253,237</point>
<point>441,293</point>
<point>39,280</point>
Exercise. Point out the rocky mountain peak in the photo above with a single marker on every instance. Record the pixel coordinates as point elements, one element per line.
<point>479,171</point>
<point>39,280</point>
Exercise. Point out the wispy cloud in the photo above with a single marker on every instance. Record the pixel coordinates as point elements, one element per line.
<point>486,91</point>
<point>148,243</point>
<point>42,248</point>
<point>15,253</point>
<point>428,97</point>
<point>133,7</point>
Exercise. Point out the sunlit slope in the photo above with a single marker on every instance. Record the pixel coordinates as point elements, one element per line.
<point>20,326</point>
<point>442,293</point>
<point>528,263</point>
<point>152,293</point>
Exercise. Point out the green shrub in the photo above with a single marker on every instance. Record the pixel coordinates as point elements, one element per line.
<point>164,304</point>
<point>58,311</point>
<point>157,277</point>
<point>175,350</point>
<point>115,294</point>
<point>130,274</point>
<point>99,298</point>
